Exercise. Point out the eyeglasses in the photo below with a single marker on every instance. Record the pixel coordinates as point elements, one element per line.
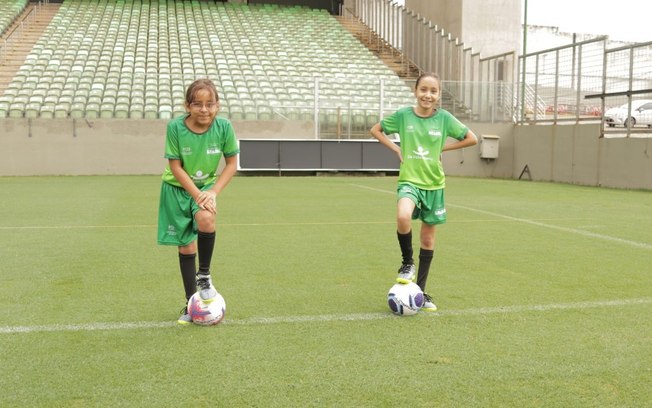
<point>199,106</point>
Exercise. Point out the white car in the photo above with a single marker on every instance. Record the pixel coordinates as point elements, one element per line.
<point>641,114</point>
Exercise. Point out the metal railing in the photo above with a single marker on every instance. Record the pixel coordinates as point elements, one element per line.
<point>627,80</point>
<point>16,34</point>
<point>431,49</point>
<point>557,80</point>
<point>560,78</point>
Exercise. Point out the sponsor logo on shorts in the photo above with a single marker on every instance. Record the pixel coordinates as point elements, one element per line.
<point>440,212</point>
<point>172,230</point>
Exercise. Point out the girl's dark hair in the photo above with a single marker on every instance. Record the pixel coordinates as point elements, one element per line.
<point>199,85</point>
<point>427,75</point>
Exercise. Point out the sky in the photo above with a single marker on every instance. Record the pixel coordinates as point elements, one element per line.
<point>621,20</point>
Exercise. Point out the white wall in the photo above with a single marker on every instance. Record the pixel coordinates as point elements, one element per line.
<point>562,153</point>
<point>490,27</point>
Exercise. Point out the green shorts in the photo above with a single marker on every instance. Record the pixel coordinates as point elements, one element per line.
<point>176,216</point>
<point>429,204</point>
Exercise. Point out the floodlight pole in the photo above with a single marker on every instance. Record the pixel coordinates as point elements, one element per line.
<point>524,53</point>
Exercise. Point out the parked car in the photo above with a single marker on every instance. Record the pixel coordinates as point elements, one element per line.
<point>641,114</point>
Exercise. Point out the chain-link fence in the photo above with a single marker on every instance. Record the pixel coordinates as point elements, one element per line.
<point>626,95</point>
<point>557,81</point>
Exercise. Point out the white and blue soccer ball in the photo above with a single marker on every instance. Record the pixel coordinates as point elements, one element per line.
<point>405,299</point>
<point>206,314</point>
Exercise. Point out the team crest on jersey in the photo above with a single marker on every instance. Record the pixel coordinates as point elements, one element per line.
<point>199,175</point>
<point>434,133</point>
<point>420,154</point>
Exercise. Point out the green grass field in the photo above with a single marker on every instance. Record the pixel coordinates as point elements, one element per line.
<point>544,290</point>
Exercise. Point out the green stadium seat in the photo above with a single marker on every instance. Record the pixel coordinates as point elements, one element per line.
<point>165,111</point>
<point>92,110</point>
<point>122,110</point>
<point>107,108</point>
<point>77,110</point>
<point>17,110</point>
<point>150,111</point>
<point>32,110</point>
<point>136,111</point>
<point>61,110</point>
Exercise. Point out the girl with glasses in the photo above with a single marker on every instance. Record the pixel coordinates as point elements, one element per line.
<point>194,145</point>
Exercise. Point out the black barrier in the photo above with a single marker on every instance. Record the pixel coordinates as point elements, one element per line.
<point>315,155</point>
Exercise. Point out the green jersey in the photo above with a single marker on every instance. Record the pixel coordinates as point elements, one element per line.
<point>200,154</point>
<point>422,141</point>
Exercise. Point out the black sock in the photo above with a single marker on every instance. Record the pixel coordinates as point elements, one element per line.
<point>205,245</point>
<point>188,271</point>
<point>425,258</point>
<point>405,242</point>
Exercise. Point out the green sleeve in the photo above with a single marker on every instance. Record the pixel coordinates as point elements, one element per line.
<point>172,142</point>
<point>456,129</point>
<point>390,124</point>
<point>230,147</point>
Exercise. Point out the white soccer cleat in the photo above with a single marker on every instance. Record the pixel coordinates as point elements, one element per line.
<point>428,305</point>
<point>207,291</point>
<point>184,318</point>
<point>406,273</point>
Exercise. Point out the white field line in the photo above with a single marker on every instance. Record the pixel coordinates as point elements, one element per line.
<point>72,227</point>
<point>537,223</point>
<point>268,224</point>
<point>355,317</point>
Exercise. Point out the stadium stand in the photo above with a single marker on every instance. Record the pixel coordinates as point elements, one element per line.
<point>9,10</point>
<point>133,59</point>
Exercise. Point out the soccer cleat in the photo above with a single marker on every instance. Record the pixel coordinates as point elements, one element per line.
<point>185,318</point>
<point>406,273</point>
<point>428,305</point>
<point>206,289</point>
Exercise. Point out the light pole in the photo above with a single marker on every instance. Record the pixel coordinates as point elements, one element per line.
<point>523,68</point>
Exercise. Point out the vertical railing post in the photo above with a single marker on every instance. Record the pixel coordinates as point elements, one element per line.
<point>316,107</point>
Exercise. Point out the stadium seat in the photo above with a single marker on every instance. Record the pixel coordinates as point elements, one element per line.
<point>150,111</point>
<point>136,111</point>
<point>165,111</point>
<point>61,110</point>
<point>122,110</point>
<point>77,110</point>
<point>47,111</point>
<point>32,110</point>
<point>17,110</point>
<point>92,110</point>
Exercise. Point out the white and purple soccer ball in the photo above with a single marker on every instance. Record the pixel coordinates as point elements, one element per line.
<point>206,314</point>
<point>405,299</point>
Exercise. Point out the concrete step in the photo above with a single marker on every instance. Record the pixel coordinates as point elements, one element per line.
<point>22,35</point>
<point>389,55</point>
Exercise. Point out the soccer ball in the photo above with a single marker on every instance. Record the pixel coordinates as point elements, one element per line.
<point>405,299</point>
<point>206,314</point>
